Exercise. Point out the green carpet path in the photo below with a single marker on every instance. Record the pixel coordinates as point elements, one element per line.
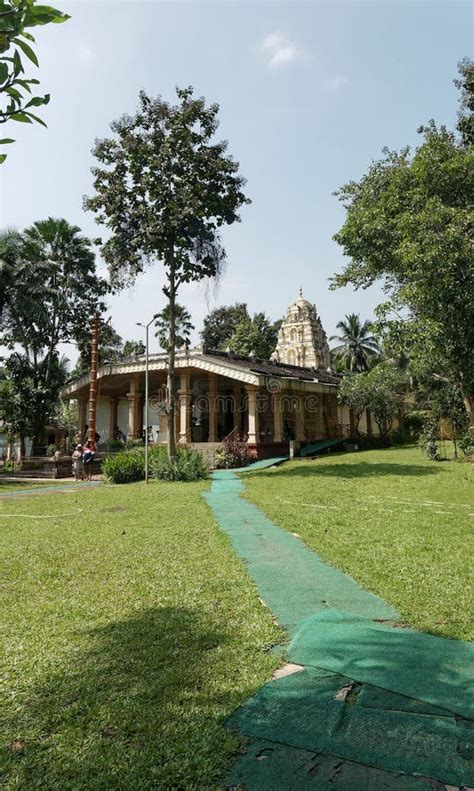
<point>373,706</point>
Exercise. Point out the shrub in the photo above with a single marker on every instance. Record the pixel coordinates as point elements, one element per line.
<point>189,465</point>
<point>466,442</point>
<point>234,452</point>
<point>50,450</point>
<point>132,443</point>
<point>124,467</point>
<point>413,422</point>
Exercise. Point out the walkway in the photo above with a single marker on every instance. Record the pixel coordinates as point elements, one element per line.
<point>363,704</point>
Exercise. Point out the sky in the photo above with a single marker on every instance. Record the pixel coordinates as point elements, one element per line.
<point>309,94</point>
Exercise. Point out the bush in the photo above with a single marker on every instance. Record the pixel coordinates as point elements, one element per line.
<point>124,467</point>
<point>51,450</point>
<point>234,452</point>
<point>133,443</point>
<point>413,422</point>
<point>466,442</point>
<point>189,465</point>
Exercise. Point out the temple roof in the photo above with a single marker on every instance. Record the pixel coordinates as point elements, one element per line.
<point>248,370</point>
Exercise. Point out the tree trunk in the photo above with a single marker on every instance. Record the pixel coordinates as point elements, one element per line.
<point>171,361</point>
<point>22,447</point>
<point>468,403</point>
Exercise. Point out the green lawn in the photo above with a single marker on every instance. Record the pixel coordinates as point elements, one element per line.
<point>132,631</point>
<point>398,523</point>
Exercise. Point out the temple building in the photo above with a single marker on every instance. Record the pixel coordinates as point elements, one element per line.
<point>291,397</point>
<point>301,338</point>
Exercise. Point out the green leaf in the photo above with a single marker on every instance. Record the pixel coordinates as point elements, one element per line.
<point>37,119</point>
<point>27,50</point>
<point>6,140</point>
<point>2,158</point>
<point>17,64</point>
<point>23,117</point>
<point>38,101</point>
<point>3,72</point>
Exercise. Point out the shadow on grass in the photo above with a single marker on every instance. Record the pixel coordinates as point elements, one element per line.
<point>142,708</point>
<point>361,469</point>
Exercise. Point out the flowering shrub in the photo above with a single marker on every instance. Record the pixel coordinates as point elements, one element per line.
<point>234,452</point>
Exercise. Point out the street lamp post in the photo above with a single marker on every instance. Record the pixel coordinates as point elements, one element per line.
<point>146,327</point>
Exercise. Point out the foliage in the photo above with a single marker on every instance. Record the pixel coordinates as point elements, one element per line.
<point>51,449</point>
<point>187,465</point>
<point>66,416</point>
<point>353,392</point>
<point>428,437</point>
<point>443,400</point>
<point>256,336</point>
<point>183,327</point>
<point>409,223</point>
<point>385,391</point>
<point>401,527</point>
<point>357,345</point>
<point>164,189</point>
<point>127,466</point>
<point>233,452</point>
<point>380,390</point>
<point>15,43</point>
<point>133,442</point>
<point>414,421</point>
<point>110,348</point>
<point>133,349</point>
<point>51,287</point>
<point>220,325</point>
<point>138,575</point>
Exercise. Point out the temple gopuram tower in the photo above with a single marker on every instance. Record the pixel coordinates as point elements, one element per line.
<point>301,338</point>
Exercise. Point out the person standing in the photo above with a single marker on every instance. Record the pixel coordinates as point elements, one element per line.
<point>88,459</point>
<point>77,465</point>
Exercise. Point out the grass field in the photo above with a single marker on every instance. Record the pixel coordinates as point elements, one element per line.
<point>131,631</point>
<point>401,525</point>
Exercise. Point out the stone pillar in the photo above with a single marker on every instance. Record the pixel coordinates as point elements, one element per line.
<point>253,437</point>
<point>82,406</point>
<point>299,419</point>
<point>212,397</point>
<point>184,400</point>
<point>10,448</point>
<point>113,412</point>
<point>134,402</point>
<point>277,418</point>
<point>237,394</point>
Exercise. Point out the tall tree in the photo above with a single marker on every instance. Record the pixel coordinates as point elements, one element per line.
<point>15,44</point>
<point>220,325</point>
<point>164,190</point>
<point>357,344</point>
<point>409,223</point>
<point>183,327</point>
<point>257,335</point>
<point>55,292</point>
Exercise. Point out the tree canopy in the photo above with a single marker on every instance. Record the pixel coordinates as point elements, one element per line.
<point>164,189</point>
<point>357,345</point>
<point>257,335</point>
<point>220,324</point>
<point>183,327</point>
<point>52,292</point>
<point>16,90</point>
<point>409,224</point>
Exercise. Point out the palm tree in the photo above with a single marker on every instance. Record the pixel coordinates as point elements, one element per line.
<point>183,327</point>
<point>357,346</point>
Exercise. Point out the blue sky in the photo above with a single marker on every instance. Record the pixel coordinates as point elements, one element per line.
<point>310,92</point>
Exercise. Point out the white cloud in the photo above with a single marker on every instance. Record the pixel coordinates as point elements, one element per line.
<point>334,84</point>
<point>279,50</point>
